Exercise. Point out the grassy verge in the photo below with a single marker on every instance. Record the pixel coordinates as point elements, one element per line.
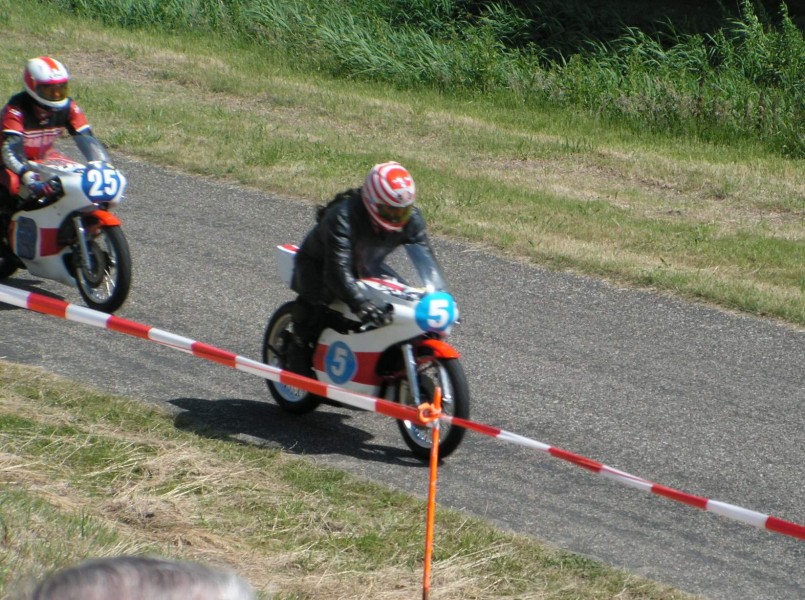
<point>719,223</point>
<point>84,474</point>
<point>740,80</point>
<point>87,474</point>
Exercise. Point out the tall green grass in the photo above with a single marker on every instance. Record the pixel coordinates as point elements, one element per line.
<point>743,81</point>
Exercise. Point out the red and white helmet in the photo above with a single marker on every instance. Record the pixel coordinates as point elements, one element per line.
<point>389,193</point>
<point>46,81</point>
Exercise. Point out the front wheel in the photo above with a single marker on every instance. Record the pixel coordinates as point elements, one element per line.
<point>275,344</point>
<point>105,284</point>
<point>448,374</point>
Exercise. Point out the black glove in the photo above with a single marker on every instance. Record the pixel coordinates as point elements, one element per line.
<point>371,314</point>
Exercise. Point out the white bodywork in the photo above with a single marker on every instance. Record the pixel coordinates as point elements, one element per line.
<point>33,233</point>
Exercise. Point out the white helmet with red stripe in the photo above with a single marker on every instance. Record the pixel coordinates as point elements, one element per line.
<point>46,81</point>
<point>389,193</point>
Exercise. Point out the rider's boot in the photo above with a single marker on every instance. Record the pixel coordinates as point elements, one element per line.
<point>299,356</point>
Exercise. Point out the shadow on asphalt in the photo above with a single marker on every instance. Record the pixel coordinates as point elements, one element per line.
<point>26,285</point>
<point>322,431</point>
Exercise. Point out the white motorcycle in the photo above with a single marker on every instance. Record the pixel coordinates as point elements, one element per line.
<point>75,240</point>
<point>403,361</point>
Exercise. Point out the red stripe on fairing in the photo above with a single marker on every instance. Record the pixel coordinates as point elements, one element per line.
<point>214,354</point>
<point>386,283</point>
<point>673,494</point>
<point>576,459</point>
<point>290,247</point>
<point>366,373</point>
<point>47,242</point>
<point>128,327</point>
<point>47,305</point>
<point>299,381</point>
<point>780,526</point>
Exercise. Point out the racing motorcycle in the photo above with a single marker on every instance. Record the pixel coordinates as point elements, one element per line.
<point>74,239</point>
<point>403,360</point>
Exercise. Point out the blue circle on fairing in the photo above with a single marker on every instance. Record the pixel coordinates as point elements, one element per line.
<point>436,312</point>
<point>100,182</point>
<point>340,363</point>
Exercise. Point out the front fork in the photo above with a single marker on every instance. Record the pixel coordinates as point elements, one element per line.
<point>81,240</point>
<point>410,368</point>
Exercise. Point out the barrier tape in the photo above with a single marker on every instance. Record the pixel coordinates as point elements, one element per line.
<point>80,314</point>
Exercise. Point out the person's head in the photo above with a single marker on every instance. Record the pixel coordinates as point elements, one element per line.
<point>142,578</point>
<point>389,194</point>
<point>46,81</point>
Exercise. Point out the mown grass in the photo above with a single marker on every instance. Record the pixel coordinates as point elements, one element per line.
<point>723,223</point>
<point>89,475</point>
<point>85,474</point>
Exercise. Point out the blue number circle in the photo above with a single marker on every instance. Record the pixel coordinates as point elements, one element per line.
<point>436,312</point>
<point>100,182</point>
<point>340,363</point>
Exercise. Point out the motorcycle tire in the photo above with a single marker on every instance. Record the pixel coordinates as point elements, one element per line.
<point>105,286</point>
<point>8,262</point>
<point>448,374</point>
<point>277,334</point>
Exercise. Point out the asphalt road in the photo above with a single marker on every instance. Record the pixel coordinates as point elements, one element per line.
<point>678,393</point>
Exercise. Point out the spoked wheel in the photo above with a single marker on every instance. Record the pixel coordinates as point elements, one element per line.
<point>275,343</point>
<point>105,284</point>
<point>448,374</point>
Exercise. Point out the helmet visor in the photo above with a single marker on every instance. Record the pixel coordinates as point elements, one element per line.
<point>396,215</point>
<point>52,92</point>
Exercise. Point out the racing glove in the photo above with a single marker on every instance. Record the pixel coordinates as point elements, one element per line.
<point>41,193</point>
<point>371,314</point>
<point>28,177</point>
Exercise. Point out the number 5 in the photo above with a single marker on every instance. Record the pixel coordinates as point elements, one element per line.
<point>339,361</point>
<point>439,313</point>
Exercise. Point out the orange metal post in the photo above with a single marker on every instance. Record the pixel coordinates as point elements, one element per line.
<point>434,470</point>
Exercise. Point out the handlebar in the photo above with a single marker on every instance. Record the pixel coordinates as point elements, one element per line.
<point>386,319</point>
<point>344,325</point>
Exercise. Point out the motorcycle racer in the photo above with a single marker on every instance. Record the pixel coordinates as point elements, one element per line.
<point>353,235</point>
<point>31,122</point>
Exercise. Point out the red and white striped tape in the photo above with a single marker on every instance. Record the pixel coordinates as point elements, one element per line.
<point>80,314</point>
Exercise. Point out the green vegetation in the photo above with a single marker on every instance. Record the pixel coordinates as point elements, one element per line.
<point>742,81</point>
<point>87,475</point>
<point>643,200</point>
<point>570,159</point>
<point>560,187</point>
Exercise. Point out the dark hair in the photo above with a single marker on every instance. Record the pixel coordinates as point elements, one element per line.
<point>142,578</point>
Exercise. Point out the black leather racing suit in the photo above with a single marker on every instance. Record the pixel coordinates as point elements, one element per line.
<point>342,247</point>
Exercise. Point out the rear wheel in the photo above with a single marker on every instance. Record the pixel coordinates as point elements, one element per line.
<point>8,262</point>
<point>105,284</point>
<point>448,374</point>
<point>275,344</point>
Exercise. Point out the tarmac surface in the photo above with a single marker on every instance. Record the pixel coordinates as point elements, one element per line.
<point>679,393</point>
